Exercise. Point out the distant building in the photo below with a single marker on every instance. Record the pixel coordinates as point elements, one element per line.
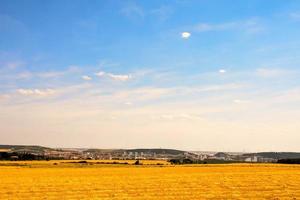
<point>251,159</point>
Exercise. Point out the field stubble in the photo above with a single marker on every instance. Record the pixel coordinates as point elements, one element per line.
<point>42,180</point>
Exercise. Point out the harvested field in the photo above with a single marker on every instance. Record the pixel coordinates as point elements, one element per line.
<point>43,180</point>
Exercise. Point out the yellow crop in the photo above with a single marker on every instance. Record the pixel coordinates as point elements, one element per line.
<point>46,180</point>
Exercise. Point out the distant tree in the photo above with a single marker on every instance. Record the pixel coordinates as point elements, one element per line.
<point>289,161</point>
<point>82,162</point>
<point>174,161</point>
<point>137,162</point>
<point>181,161</point>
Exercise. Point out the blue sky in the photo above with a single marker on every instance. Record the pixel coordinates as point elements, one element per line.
<point>205,75</point>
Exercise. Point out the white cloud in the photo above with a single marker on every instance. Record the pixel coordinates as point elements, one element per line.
<point>222,71</point>
<point>185,35</point>
<point>36,92</point>
<point>101,73</point>
<point>188,110</point>
<point>117,77</point>
<point>86,78</point>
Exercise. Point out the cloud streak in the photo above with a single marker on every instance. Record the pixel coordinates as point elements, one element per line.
<point>132,10</point>
<point>13,64</point>
<point>272,72</point>
<point>116,77</point>
<point>36,92</point>
<point>250,26</point>
<point>119,77</point>
<point>86,78</point>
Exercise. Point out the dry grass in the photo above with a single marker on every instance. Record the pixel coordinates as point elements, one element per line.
<point>235,181</point>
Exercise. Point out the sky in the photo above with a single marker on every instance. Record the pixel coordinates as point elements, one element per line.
<point>217,75</point>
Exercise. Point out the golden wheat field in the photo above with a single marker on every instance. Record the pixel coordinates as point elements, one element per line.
<point>65,180</point>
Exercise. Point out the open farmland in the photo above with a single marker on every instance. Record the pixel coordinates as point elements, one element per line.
<point>65,180</point>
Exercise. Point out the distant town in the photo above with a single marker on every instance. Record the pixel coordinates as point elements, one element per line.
<point>23,152</point>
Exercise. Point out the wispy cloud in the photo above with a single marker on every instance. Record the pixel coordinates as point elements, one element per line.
<point>204,27</point>
<point>240,101</point>
<point>142,94</point>
<point>10,24</point>
<point>295,16</point>
<point>36,92</point>
<point>250,26</point>
<point>220,87</point>
<point>176,117</point>
<point>100,74</point>
<point>4,96</point>
<point>104,63</point>
<point>55,74</point>
<point>132,10</point>
<point>128,103</point>
<point>288,96</point>
<point>86,78</point>
<point>272,72</point>
<point>26,74</point>
<point>13,64</point>
<point>51,74</point>
<point>163,12</point>
<point>117,77</point>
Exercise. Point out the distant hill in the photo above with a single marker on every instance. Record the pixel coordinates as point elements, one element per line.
<point>36,148</point>
<point>41,149</point>
<point>222,154</point>
<point>276,155</point>
<point>25,148</point>
<point>103,150</point>
<point>157,151</point>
